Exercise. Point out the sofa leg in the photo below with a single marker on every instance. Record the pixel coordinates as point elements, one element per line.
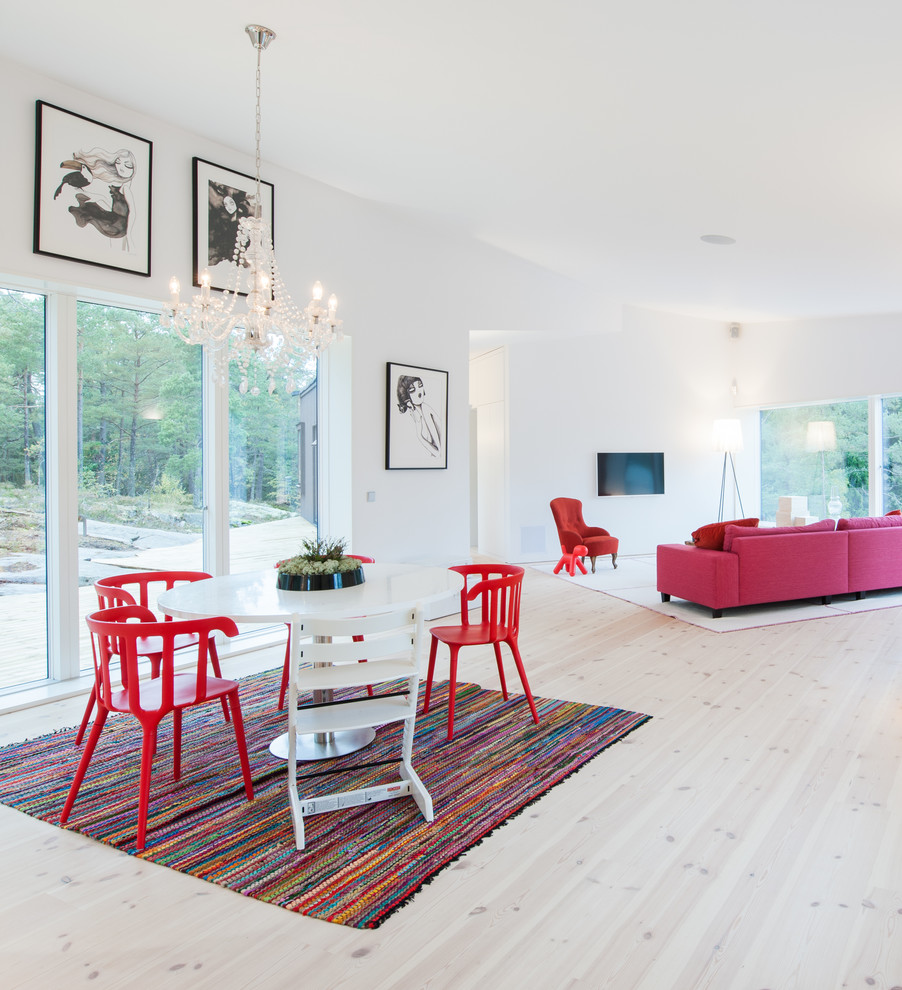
<point>716,613</point>
<point>614,560</point>
<point>860,595</point>
<point>665,597</point>
<point>826,600</point>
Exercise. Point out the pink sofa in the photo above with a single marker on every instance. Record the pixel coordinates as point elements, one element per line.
<point>761,565</point>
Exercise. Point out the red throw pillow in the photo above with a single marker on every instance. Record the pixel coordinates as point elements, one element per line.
<point>894,512</point>
<point>710,537</point>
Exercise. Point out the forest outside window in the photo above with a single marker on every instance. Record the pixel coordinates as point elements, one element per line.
<point>793,464</point>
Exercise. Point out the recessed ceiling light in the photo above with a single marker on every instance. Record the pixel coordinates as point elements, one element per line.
<point>718,239</point>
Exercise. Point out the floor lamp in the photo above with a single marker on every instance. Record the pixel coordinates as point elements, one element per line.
<point>821,437</point>
<point>728,438</point>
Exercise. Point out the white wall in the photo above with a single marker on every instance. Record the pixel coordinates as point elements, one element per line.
<point>819,359</point>
<point>407,294</point>
<point>656,384</point>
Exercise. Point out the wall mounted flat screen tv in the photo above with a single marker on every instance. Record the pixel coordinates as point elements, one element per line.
<point>635,473</point>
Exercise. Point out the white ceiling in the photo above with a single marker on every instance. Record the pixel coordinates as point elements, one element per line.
<point>598,138</point>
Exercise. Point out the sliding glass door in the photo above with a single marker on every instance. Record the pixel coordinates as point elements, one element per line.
<point>120,452</point>
<point>23,551</point>
<point>140,465</point>
<point>272,472</point>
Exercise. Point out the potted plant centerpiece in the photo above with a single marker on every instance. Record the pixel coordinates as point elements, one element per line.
<point>320,565</point>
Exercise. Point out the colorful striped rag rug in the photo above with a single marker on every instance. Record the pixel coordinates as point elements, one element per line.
<point>361,863</point>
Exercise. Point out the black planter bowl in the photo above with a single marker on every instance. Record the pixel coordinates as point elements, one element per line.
<point>320,582</point>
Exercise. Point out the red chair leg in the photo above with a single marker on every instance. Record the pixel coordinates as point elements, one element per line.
<point>92,697</point>
<point>148,748</point>
<point>217,670</point>
<point>452,689</point>
<point>90,745</point>
<point>500,670</point>
<point>177,744</point>
<point>286,670</point>
<point>241,743</point>
<point>430,671</point>
<point>512,643</point>
<point>369,687</point>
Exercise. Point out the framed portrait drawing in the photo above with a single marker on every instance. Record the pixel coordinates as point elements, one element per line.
<point>221,198</point>
<point>92,191</point>
<point>416,418</point>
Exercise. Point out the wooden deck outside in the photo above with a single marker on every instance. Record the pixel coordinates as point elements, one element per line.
<point>23,648</point>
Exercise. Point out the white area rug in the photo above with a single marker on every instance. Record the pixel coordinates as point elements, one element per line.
<point>635,580</point>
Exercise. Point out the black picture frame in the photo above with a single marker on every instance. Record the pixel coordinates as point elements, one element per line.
<point>221,196</point>
<point>416,418</point>
<point>92,191</point>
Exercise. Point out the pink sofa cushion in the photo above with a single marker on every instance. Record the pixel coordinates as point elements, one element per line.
<point>792,566</point>
<point>710,537</point>
<point>821,526</point>
<point>875,558</point>
<point>869,522</point>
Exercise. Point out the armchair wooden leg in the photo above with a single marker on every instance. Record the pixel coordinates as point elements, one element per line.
<point>593,565</point>
<point>614,560</point>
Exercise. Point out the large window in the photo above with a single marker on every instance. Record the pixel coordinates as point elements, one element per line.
<point>23,586</point>
<point>272,504</point>
<point>140,469</point>
<point>120,451</point>
<point>817,451</point>
<point>891,437</point>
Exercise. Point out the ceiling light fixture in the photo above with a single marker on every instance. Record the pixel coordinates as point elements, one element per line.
<point>271,332</point>
<point>717,239</point>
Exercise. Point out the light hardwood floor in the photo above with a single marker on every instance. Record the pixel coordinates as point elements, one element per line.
<point>749,836</point>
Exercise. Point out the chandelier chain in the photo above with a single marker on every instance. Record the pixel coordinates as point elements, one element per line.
<point>271,334</point>
<point>257,131</point>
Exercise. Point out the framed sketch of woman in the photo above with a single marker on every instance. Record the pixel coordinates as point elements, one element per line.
<point>92,191</point>
<point>416,418</point>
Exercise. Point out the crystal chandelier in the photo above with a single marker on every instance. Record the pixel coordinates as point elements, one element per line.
<point>271,333</point>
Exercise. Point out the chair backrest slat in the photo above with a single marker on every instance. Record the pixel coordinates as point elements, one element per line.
<point>121,589</point>
<point>115,634</point>
<point>497,586</point>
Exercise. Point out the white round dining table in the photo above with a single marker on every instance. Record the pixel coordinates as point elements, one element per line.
<point>254,598</point>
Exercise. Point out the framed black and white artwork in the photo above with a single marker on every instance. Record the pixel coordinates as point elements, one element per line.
<point>416,418</point>
<point>221,198</point>
<point>92,191</point>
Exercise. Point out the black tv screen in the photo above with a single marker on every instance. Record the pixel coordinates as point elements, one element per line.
<point>630,474</point>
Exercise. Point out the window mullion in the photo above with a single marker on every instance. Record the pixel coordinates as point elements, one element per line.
<point>62,487</point>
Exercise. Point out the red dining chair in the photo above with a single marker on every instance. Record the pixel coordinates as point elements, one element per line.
<point>498,586</point>
<point>113,590</point>
<point>286,665</point>
<point>116,635</point>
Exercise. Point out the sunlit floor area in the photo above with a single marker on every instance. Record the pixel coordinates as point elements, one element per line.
<point>748,837</point>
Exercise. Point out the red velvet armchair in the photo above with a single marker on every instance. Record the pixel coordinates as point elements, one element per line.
<point>572,531</point>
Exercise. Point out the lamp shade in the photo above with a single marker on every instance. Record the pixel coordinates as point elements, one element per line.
<point>727,435</point>
<point>821,436</point>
